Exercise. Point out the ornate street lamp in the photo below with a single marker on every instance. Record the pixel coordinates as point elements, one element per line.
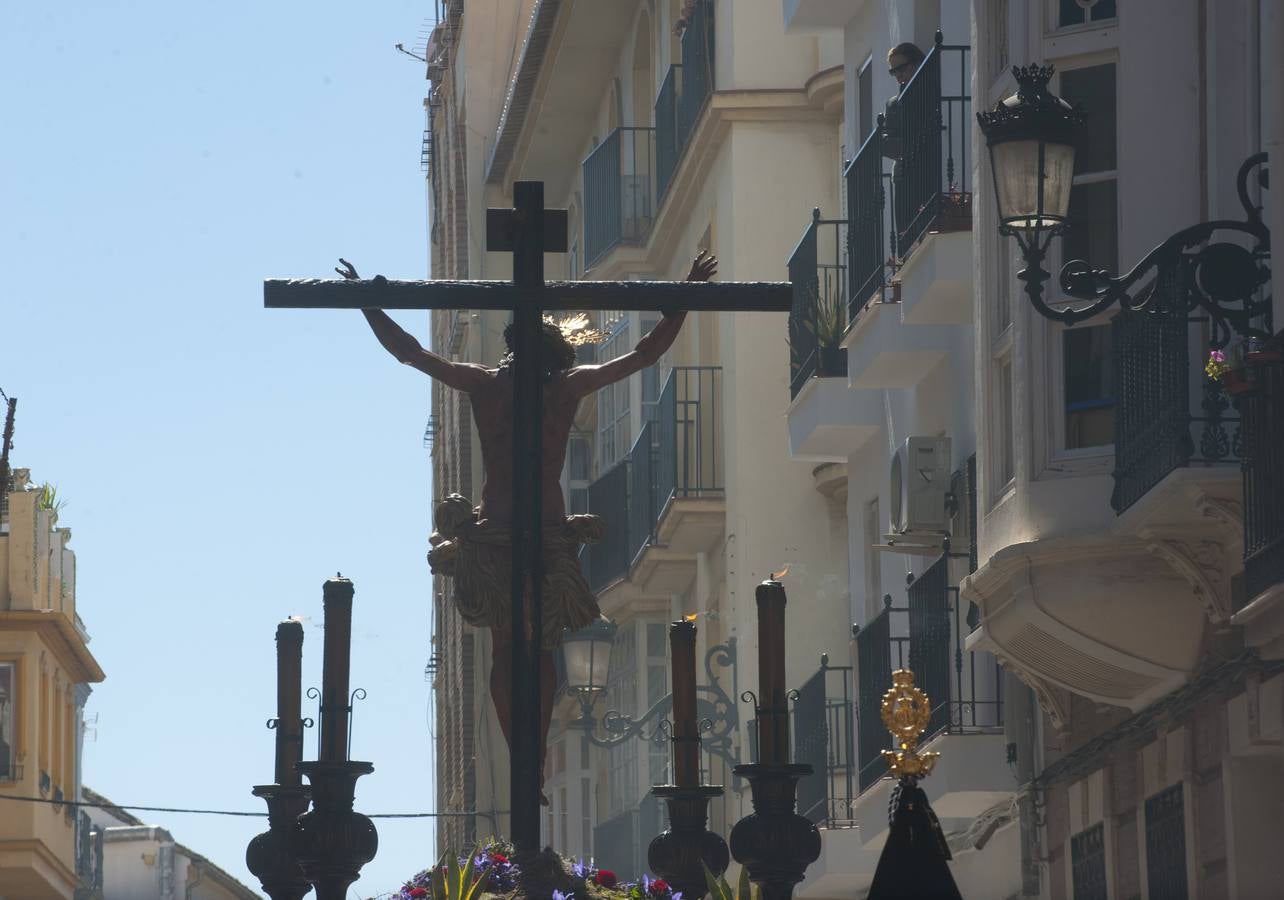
<point>586,656</point>
<point>1031,136</point>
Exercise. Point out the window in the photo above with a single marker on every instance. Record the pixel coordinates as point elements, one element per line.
<point>1088,863</point>
<point>997,32</point>
<point>622,695</point>
<point>873,573</point>
<point>1005,469</point>
<point>586,814</point>
<point>1071,13</point>
<point>864,101</point>
<point>579,470</point>
<point>613,403</point>
<point>1166,843</point>
<point>8,743</point>
<point>650,376</point>
<point>1094,217</point>
<point>1089,387</point>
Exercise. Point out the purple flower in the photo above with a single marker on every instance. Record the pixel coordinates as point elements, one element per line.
<point>558,895</point>
<point>579,870</point>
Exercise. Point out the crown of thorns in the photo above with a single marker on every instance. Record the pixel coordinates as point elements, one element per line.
<point>576,330</point>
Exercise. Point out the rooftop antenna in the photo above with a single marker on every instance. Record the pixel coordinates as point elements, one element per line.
<point>402,48</point>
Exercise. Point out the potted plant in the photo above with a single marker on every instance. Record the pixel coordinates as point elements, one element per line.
<point>1237,367</point>
<point>831,324</point>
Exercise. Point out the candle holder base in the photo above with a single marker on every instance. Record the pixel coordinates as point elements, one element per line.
<point>332,842</point>
<point>773,842</point>
<point>268,855</point>
<point>681,854</point>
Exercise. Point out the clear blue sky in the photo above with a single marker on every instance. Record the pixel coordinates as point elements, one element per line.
<point>220,460</point>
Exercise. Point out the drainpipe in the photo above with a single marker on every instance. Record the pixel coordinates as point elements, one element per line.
<point>1273,134</point>
<point>192,866</point>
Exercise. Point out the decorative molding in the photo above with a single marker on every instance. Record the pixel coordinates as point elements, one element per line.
<point>1201,563</point>
<point>1053,700</point>
<point>1226,511</point>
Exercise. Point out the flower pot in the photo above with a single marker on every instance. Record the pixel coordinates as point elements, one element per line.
<point>831,362</point>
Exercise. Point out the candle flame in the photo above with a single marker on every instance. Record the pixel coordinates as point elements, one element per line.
<point>776,576</point>
<point>690,617</point>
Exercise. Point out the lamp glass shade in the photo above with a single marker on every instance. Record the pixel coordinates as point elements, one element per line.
<point>587,655</point>
<point>1031,196</point>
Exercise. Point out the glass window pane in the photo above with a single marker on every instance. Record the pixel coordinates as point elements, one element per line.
<point>7,700</point>
<point>1006,469</point>
<point>1094,231</point>
<point>1093,87</point>
<point>1102,10</point>
<point>1071,14</point>
<point>1089,387</point>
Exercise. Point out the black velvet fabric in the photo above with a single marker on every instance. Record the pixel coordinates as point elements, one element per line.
<point>914,862</point>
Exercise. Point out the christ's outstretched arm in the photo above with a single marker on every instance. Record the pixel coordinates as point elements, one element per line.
<point>407,350</point>
<point>584,380</point>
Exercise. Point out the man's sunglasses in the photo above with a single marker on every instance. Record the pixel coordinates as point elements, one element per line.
<point>894,69</point>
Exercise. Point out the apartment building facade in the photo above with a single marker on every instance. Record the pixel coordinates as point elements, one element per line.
<point>46,669</point>
<point>1124,553</point>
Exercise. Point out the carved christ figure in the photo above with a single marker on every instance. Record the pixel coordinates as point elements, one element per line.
<point>472,544</point>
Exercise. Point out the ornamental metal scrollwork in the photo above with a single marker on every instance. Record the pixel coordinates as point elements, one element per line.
<point>1189,274</point>
<point>715,713</point>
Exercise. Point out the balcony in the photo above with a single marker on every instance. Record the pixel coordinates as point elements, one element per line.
<point>1169,416</point>
<point>664,503</point>
<point>824,726</point>
<point>1262,405</point>
<point>918,156</point>
<point>928,133</point>
<point>683,93</point>
<point>89,858</point>
<point>818,272</point>
<point>619,192</point>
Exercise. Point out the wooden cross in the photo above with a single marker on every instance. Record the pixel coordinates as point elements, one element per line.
<point>529,231</point>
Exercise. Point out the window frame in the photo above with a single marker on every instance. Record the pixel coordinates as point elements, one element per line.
<point>9,718</point>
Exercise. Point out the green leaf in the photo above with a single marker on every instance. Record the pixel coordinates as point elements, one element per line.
<point>744,890</point>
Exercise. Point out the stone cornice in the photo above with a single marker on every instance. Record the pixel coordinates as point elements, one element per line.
<point>60,635</point>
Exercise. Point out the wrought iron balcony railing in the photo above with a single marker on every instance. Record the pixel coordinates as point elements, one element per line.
<point>1168,415</point>
<point>1263,428</point>
<point>683,93</point>
<point>818,271</point>
<point>825,737</point>
<point>869,255</point>
<point>667,145</point>
<point>608,497</point>
<point>928,134</point>
<point>878,654</point>
<point>677,455</point>
<point>89,857</point>
<point>619,191</point>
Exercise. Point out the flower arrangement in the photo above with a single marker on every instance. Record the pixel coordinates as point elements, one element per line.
<point>489,872</point>
<point>1216,366</point>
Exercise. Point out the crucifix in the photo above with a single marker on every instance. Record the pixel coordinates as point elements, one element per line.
<point>529,231</point>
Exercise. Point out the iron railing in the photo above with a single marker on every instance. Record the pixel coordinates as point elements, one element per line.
<point>1263,429</point>
<point>642,490</point>
<point>619,191</point>
<point>689,436</point>
<point>608,497</point>
<point>824,737</point>
<point>697,67</point>
<point>1158,426</point>
<point>929,133</point>
<point>683,93</point>
<point>1088,864</point>
<point>878,654</point>
<point>869,222</point>
<point>667,145</point>
<point>677,454</point>
<point>964,687</point>
<point>89,858</point>
<point>1166,843</point>
<point>818,272</point>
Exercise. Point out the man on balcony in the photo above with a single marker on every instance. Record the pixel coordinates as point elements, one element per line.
<point>903,61</point>
<point>473,545</point>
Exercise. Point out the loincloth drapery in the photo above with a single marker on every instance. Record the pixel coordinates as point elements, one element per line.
<point>479,557</point>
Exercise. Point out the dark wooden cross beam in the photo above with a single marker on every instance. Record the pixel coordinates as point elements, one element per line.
<point>529,231</point>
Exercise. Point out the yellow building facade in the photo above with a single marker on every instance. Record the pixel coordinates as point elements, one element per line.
<point>45,671</point>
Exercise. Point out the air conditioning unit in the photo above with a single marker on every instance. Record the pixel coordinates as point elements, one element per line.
<point>918,485</point>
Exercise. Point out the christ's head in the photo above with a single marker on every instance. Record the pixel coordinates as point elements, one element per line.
<point>556,352</point>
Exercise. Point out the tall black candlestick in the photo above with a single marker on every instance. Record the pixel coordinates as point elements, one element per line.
<point>686,728</point>
<point>337,600</point>
<point>773,719</point>
<point>289,703</point>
